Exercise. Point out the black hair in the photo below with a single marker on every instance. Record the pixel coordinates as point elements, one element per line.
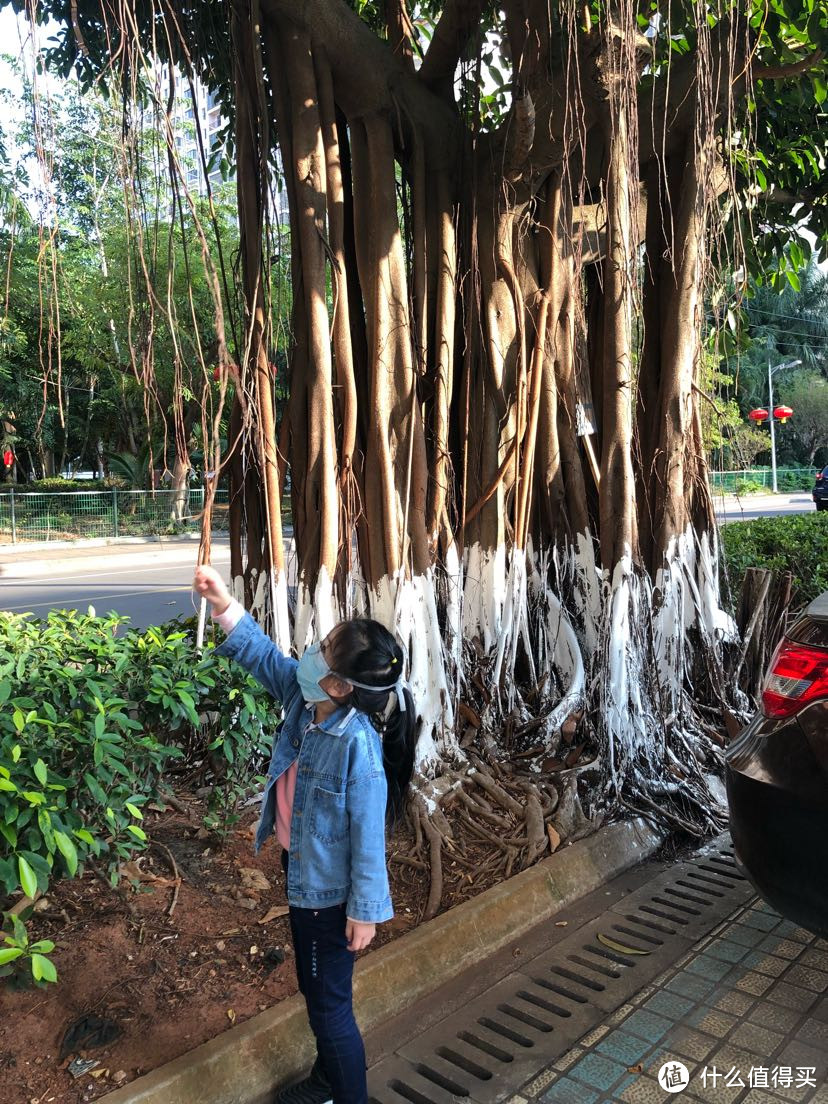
<point>364,650</point>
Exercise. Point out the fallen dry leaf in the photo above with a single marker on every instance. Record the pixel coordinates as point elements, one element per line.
<point>554,838</point>
<point>469,715</point>
<point>552,764</point>
<point>231,1015</point>
<point>135,873</point>
<point>620,947</point>
<point>251,878</point>
<point>561,923</point>
<point>635,1069</point>
<point>574,755</point>
<point>274,914</point>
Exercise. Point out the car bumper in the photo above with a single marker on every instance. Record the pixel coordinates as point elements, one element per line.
<point>777,790</point>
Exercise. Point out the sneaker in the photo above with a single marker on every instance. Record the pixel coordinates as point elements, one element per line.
<point>315,1089</point>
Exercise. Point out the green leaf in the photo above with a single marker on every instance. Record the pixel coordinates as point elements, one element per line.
<point>68,850</point>
<point>45,824</point>
<point>9,954</point>
<point>20,936</point>
<point>6,786</point>
<point>85,835</point>
<point>43,969</point>
<point>9,833</point>
<point>136,812</point>
<point>41,772</point>
<point>19,723</point>
<point>28,881</point>
<point>5,690</point>
<point>95,789</point>
<point>15,752</point>
<point>136,831</point>
<point>100,724</point>
<point>44,946</point>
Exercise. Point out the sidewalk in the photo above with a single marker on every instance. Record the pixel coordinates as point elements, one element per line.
<point>703,989</point>
<point>742,1018</point>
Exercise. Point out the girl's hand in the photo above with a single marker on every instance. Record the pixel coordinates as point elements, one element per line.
<point>359,935</point>
<point>209,584</point>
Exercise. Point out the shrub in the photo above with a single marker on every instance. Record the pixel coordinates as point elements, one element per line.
<point>54,483</point>
<point>797,543</point>
<point>90,720</point>
<point>748,486</point>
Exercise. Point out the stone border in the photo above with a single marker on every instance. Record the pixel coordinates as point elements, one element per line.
<point>246,1063</point>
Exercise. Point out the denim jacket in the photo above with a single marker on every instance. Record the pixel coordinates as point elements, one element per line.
<point>337,828</point>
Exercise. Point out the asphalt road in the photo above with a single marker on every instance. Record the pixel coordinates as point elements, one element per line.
<point>148,595</point>
<point>755,506</point>
<point>159,592</point>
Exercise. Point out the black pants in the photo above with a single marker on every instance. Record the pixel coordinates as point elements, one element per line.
<point>324,968</point>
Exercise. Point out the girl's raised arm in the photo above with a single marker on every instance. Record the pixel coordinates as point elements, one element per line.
<point>246,643</point>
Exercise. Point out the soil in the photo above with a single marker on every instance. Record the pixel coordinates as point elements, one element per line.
<point>180,951</point>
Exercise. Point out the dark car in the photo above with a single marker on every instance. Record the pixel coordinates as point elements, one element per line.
<point>777,777</point>
<point>820,491</point>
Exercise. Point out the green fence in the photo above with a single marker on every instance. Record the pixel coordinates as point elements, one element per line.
<point>753,479</point>
<point>73,515</point>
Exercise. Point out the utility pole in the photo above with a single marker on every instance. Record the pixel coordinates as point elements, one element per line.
<point>771,416</point>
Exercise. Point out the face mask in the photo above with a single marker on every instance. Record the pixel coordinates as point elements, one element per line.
<point>311,670</point>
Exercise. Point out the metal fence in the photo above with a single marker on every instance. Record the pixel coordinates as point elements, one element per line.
<point>743,482</point>
<point>73,515</point>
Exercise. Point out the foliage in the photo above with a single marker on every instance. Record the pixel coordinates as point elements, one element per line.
<point>748,487</point>
<point>796,543</point>
<point>21,959</point>
<point>119,288</point>
<point>807,394</point>
<point>776,326</point>
<point>81,757</point>
<point>745,443</point>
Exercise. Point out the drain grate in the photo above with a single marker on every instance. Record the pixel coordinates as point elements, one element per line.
<point>485,1051</point>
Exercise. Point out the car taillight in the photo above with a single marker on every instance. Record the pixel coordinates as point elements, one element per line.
<point>797,675</point>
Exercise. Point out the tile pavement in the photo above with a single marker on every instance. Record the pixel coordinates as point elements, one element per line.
<point>749,1006</point>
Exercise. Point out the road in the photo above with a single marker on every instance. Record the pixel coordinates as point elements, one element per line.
<point>731,508</point>
<point>149,595</point>
<point>155,591</point>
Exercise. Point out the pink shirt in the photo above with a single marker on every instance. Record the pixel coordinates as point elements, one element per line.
<point>285,783</point>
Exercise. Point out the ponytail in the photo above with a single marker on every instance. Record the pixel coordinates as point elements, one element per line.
<point>366,652</point>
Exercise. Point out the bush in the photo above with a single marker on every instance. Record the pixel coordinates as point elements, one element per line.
<point>55,483</point>
<point>797,543</point>
<point>90,720</point>
<point>748,486</point>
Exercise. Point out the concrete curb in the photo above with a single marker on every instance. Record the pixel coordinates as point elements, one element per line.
<point>246,1063</point>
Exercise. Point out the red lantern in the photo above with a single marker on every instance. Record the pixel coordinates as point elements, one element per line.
<point>8,457</point>
<point>782,413</point>
<point>759,415</point>
<point>217,373</point>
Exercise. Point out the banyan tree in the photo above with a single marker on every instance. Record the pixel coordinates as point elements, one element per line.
<point>508,226</point>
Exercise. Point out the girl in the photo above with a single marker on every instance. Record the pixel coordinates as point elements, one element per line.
<point>342,760</point>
